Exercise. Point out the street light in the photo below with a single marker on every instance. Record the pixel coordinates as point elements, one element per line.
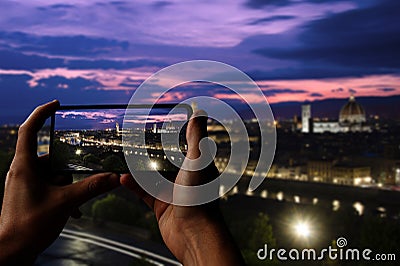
<point>78,152</point>
<point>302,229</point>
<point>154,165</point>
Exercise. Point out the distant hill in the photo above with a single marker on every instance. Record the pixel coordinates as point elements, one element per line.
<point>385,107</point>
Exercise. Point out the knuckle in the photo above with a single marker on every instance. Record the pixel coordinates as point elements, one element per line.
<point>11,172</point>
<point>22,129</point>
<point>15,172</point>
<point>92,186</point>
<point>95,185</point>
<point>39,109</point>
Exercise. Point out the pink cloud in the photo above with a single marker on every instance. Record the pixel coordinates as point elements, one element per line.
<point>92,115</point>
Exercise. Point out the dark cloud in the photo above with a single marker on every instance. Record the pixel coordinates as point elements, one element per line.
<point>118,3</point>
<point>323,1</point>
<point>112,64</point>
<point>365,39</point>
<point>56,7</point>
<point>78,45</point>
<point>315,94</point>
<point>273,92</point>
<point>18,99</point>
<point>315,71</point>
<point>270,19</point>
<point>15,60</point>
<point>337,90</point>
<point>386,89</point>
<point>352,91</point>
<point>131,83</point>
<point>120,6</point>
<point>256,4</point>
<point>21,61</point>
<point>161,4</point>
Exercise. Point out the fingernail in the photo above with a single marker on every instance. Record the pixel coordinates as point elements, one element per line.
<point>200,113</point>
<point>56,101</point>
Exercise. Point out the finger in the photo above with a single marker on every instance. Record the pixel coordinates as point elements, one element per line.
<point>196,130</point>
<point>27,133</point>
<point>199,158</point>
<point>128,181</point>
<point>61,180</point>
<point>88,188</point>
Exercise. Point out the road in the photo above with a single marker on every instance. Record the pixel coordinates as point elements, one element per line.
<point>79,248</point>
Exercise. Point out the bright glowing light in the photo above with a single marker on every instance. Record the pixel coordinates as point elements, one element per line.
<point>279,196</point>
<point>264,194</point>
<point>78,152</point>
<point>359,208</point>
<point>335,205</point>
<point>154,165</point>
<point>302,229</point>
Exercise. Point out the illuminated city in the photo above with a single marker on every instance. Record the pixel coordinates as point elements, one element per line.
<point>101,148</point>
<point>310,170</point>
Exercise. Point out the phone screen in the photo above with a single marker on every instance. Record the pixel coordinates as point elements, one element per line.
<point>87,139</point>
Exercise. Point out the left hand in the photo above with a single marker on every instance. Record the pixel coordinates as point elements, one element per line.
<point>35,209</point>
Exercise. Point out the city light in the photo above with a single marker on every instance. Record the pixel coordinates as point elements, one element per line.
<point>78,152</point>
<point>154,165</point>
<point>302,229</point>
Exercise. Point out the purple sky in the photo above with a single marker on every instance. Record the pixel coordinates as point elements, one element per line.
<point>100,51</point>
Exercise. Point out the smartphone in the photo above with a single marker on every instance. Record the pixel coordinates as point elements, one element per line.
<point>90,138</point>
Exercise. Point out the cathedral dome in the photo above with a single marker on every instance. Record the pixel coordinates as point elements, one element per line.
<point>352,112</point>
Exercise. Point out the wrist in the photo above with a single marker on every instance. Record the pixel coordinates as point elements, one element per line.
<point>13,252</point>
<point>210,243</point>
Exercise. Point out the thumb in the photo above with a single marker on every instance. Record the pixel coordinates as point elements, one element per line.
<point>88,188</point>
<point>196,130</point>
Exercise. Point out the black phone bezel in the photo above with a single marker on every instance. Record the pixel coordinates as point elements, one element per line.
<point>107,106</point>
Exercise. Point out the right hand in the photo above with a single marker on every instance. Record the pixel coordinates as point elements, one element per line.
<point>196,235</point>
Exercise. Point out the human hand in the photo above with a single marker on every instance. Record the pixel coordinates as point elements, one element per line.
<point>35,208</point>
<point>196,235</point>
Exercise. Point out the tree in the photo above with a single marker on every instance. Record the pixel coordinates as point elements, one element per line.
<point>115,209</point>
<point>114,163</point>
<point>90,158</point>
<point>260,233</point>
<point>251,234</point>
<point>373,232</point>
<point>62,155</point>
